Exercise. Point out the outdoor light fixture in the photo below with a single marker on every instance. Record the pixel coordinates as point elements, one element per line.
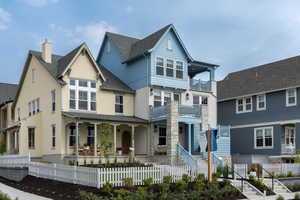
<point>187,96</point>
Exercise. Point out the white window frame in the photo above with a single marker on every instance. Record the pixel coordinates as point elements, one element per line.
<point>163,66</point>
<point>264,143</point>
<point>172,68</point>
<point>264,101</point>
<point>162,145</point>
<point>53,100</point>
<point>169,44</point>
<point>244,105</point>
<point>287,136</point>
<point>162,96</point>
<point>119,104</point>
<point>177,69</point>
<point>287,97</point>
<point>87,89</point>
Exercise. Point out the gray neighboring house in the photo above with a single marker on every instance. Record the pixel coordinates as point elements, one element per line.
<point>262,105</point>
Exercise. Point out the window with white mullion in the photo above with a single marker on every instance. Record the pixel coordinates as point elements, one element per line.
<point>244,105</point>
<point>261,102</point>
<point>263,138</point>
<point>291,97</point>
<point>170,68</point>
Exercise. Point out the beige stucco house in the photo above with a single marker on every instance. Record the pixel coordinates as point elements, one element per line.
<point>61,98</point>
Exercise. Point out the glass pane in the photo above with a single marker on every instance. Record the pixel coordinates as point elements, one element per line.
<point>119,108</point>
<point>93,96</point>
<point>268,142</point>
<point>248,106</point>
<point>240,101</point>
<point>72,104</point>
<point>196,99</point>
<point>261,105</point>
<point>291,100</point>
<point>268,132</point>
<point>259,133</point>
<point>93,106</point>
<point>83,95</point>
<point>72,94</point>
<point>83,83</point>
<point>160,71</point>
<point>259,142</point>
<point>83,105</point>
<point>170,63</point>
<point>93,84</point>
<point>179,65</point>
<point>179,74</point>
<point>72,82</point>
<point>170,72</point>
<point>248,100</point>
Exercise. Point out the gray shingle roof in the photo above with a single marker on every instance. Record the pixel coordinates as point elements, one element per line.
<point>113,82</point>
<point>7,92</point>
<point>132,48</point>
<point>115,118</point>
<point>264,78</point>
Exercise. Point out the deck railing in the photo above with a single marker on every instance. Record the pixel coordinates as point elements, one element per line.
<point>288,149</point>
<point>186,156</point>
<point>200,85</point>
<point>161,112</point>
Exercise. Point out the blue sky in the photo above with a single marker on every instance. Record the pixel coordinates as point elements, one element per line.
<point>234,34</point>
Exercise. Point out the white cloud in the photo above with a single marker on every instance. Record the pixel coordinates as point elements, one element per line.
<point>5,18</point>
<point>39,3</point>
<point>91,33</point>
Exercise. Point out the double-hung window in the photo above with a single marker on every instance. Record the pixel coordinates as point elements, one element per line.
<point>31,138</point>
<point>290,136</point>
<point>53,100</point>
<point>244,105</point>
<point>291,97</point>
<point>82,95</point>
<point>119,103</point>
<point>160,66</point>
<point>29,109</point>
<point>162,136</point>
<point>179,69</point>
<point>90,136</point>
<point>72,136</point>
<point>157,98</point>
<point>167,97</point>
<point>261,102</point>
<point>263,138</point>
<point>170,68</point>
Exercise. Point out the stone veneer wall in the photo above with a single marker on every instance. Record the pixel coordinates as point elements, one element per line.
<point>204,117</point>
<point>172,131</point>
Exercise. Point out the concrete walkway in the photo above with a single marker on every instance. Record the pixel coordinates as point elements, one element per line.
<point>14,193</point>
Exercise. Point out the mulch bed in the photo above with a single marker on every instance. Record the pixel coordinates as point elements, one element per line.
<point>48,188</point>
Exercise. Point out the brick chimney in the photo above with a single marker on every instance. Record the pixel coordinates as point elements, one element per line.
<point>47,51</point>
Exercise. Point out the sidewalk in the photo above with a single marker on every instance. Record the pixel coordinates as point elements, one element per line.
<point>14,193</point>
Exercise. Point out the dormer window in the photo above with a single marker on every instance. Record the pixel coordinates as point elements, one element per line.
<point>169,45</point>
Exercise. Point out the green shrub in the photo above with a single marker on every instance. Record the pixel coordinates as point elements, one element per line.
<point>226,172</point>
<point>290,174</point>
<point>198,186</point>
<point>147,182</point>
<point>85,196</point>
<point>167,179</point>
<point>107,188</point>
<point>122,193</point>
<point>186,178</point>
<point>128,182</point>
<point>200,178</point>
<point>280,198</point>
<point>164,188</point>
<point>180,186</point>
<point>2,148</point>
<point>297,196</point>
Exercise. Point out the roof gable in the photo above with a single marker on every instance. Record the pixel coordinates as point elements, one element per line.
<point>7,92</point>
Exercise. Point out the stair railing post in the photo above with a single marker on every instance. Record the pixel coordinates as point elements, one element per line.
<point>272,183</point>
<point>242,184</point>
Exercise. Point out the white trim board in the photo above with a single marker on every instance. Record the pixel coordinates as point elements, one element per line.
<point>293,121</point>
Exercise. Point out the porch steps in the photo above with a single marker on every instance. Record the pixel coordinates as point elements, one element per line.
<point>248,190</point>
<point>279,187</point>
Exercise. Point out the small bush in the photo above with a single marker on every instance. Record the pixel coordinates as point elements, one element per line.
<point>200,178</point>
<point>186,178</point>
<point>280,198</point>
<point>167,179</point>
<point>2,148</point>
<point>164,188</point>
<point>83,195</point>
<point>122,193</point>
<point>107,188</point>
<point>297,196</point>
<point>128,182</point>
<point>290,174</point>
<point>180,186</point>
<point>147,182</point>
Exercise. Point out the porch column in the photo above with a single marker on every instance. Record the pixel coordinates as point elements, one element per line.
<point>190,138</point>
<point>67,131</point>
<point>7,142</point>
<point>77,139</point>
<point>16,147</point>
<point>95,139</point>
<point>115,139</point>
<point>132,150</point>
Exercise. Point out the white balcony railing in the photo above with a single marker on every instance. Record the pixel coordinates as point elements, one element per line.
<point>288,149</point>
<point>160,113</point>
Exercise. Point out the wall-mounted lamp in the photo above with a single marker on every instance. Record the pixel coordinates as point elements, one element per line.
<point>187,96</point>
<point>151,91</point>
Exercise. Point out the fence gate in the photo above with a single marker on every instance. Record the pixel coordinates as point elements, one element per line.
<point>241,170</point>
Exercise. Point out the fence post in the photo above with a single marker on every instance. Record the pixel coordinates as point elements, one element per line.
<point>54,166</point>
<point>98,178</point>
<point>75,174</point>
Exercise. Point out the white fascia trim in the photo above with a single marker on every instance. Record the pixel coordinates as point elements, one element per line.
<point>282,122</point>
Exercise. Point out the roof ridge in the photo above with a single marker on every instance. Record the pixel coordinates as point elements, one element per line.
<point>167,26</point>
<point>118,34</point>
<point>265,65</point>
<point>15,84</point>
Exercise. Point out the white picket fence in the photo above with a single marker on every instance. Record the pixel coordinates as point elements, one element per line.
<point>282,168</point>
<point>97,177</point>
<point>14,161</point>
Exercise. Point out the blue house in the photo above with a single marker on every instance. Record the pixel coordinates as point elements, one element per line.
<point>261,105</point>
<point>168,94</point>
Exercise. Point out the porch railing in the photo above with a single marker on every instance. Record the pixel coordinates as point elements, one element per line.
<point>215,159</point>
<point>159,113</point>
<point>186,157</point>
<point>287,149</point>
<point>200,85</point>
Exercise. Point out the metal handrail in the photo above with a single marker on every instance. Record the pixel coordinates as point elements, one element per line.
<point>272,176</point>
<point>186,156</point>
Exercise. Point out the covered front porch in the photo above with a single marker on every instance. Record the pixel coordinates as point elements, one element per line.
<point>94,138</point>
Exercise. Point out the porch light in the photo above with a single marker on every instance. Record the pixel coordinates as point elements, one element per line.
<point>187,96</point>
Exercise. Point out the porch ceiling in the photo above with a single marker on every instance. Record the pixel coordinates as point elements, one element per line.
<point>114,118</point>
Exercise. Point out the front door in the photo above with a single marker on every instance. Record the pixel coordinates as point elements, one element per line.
<point>125,142</point>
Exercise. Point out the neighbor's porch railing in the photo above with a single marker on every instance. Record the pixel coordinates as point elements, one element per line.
<point>160,113</point>
<point>200,85</point>
<point>186,156</point>
<point>288,149</point>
